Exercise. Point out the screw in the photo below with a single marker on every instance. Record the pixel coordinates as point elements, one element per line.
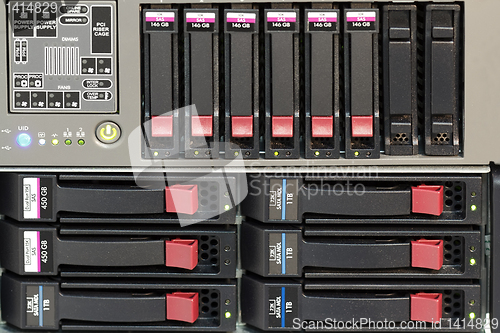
<point>227,248</point>
<point>227,302</point>
<point>227,262</point>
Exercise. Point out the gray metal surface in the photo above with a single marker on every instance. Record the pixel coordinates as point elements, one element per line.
<point>481,119</point>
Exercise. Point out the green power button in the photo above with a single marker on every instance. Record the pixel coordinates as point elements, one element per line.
<point>108,132</point>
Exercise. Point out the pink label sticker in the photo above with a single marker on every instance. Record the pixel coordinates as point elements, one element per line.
<point>281,16</point>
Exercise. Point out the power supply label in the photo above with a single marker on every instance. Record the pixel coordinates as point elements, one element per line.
<point>281,21</point>
<point>322,21</point>
<point>37,198</point>
<point>24,19</point>
<point>361,21</point>
<point>283,201</point>
<point>283,254</point>
<point>283,306</point>
<point>241,22</point>
<point>159,21</point>
<point>101,29</point>
<point>40,306</point>
<point>46,23</point>
<point>38,251</point>
<point>200,21</point>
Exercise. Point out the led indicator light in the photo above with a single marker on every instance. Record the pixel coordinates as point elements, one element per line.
<point>55,142</point>
<point>67,142</point>
<point>356,153</point>
<point>236,153</point>
<point>227,207</point>
<point>473,208</point>
<point>472,315</point>
<point>41,142</point>
<point>196,152</point>
<point>23,139</point>
<point>316,153</point>
<point>276,153</point>
<point>472,261</point>
<point>227,314</point>
<point>81,142</point>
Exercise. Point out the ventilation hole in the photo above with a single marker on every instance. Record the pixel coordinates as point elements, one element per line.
<point>458,207</point>
<point>214,242</point>
<point>456,314</point>
<point>458,188</point>
<point>448,184</point>
<point>456,252</point>
<point>203,193</point>
<point>448,202</point>
<point>447,247</point>
<point>214,313</point>
<point>457,242</point>
<point>456,296</point>
<point>205,291</point>
<point>205,300</point>
<point>447,238</point>
<point>456,261</point>
<point>447,300</point>
<point>444,135</point>
<point>214,261</point>
<point>215,304</point>
<point>447,309</point>
<point>203,184</point>
<point>456,305</point>
<point>213,198</point>
<point>205,309</point>
<point>213,188</point>
<point>447,256</point>
<point>214,252</point>
<point>447,292</point>
<point>203,202</point>
<point>458,198</point>
<point>204,256</point>
<point>204,238</point>
<point>214,295</point>
<point>204,247</point>
<point>448,193</point>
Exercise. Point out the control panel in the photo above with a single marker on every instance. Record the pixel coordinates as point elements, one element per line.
<point>62,57</point>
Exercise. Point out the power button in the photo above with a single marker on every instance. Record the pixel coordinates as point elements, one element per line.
<point>108,132</point>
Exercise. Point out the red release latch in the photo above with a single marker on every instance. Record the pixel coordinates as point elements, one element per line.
<point>162,126</point>
<point>322,127</point>
<point>427,199</point>
<point>182,306</point>
<point>426,307</point>
<point>201,126</point>
<point>362,126</point>
<point>181,199</point>
<point>282,126</point>
<point>242,126</point>
<point>182,253</point>
<point>427,253</point>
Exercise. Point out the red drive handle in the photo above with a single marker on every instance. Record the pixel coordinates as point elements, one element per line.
<point>182,306</point>
<point>182,253</point>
